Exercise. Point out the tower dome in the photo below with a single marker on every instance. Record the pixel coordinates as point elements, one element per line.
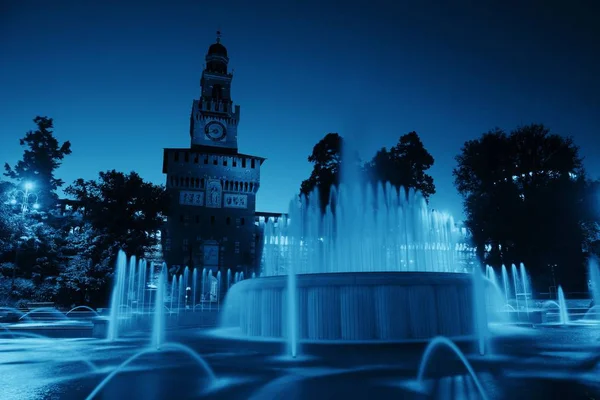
<point>216,58</point>
<point>217,49</point>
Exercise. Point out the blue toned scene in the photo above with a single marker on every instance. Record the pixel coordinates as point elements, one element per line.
<point>299,200</point>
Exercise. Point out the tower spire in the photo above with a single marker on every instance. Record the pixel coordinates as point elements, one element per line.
<point>219,36</point>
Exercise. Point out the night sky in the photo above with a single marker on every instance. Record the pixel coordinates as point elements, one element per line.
<point>119,80</point>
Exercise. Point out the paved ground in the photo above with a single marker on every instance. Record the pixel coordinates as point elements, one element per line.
<point>526,363</point>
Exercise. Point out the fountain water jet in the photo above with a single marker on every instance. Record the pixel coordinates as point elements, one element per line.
<point>82,307</point>
<point>594,310</point>
<point>173,290</point>
<point>480,311</point>
<point>439,342</point>
<point>194,281</point>
<point>594,279</point>
<point>506,283</point>
<point>118,296</point>
<point>218,290</point>
<point>525,285</point>
<point>158,326</point>
<point>165,347</point>
<point>48,310</point>
<point>562,305</point>
<point>180,293</point>
<point>129,295</point>
<point>515,276</point>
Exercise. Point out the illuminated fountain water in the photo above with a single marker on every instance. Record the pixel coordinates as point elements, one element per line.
<point>173,293</point>
<point>594,279</point>
<point>562,306</point>
<point>515,277</point>
<point>180,293</point>
<point>128,300</point>
<point>442,342</point>
<point>525,285</point>
<point>377,265</point>
<point>505,283</point>
<point>194,283</point>
<point>593,314</point>
<point>158,323</point>
<point>118,296</point>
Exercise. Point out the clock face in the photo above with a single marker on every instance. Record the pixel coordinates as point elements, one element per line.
<point>215,131</point>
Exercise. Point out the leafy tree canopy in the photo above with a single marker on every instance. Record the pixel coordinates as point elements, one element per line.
<point>525,194</point>
<point>123,208</point>
<point>42,156</point>
<point>326,158</point>
<point>404,165</point>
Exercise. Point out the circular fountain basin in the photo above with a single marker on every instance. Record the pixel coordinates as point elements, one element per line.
<point>364,306</point>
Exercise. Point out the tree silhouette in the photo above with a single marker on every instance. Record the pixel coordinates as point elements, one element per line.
<point>404,165</point>
<point>326,158</point>
<point>525,195</point>
<point>123,209</point>
<point>42,156</point>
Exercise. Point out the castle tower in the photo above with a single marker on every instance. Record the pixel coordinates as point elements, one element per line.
<point>214,118</point>
<point>212,187</point>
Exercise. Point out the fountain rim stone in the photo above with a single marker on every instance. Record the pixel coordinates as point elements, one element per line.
<point>376,278</point>
<point>356,306</point>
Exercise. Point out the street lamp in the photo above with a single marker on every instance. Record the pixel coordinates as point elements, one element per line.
<point>27,197</point>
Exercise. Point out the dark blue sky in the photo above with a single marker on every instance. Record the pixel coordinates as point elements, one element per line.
<point>119,77</point>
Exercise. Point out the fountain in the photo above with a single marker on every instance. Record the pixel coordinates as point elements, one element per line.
<point>130,298</point>
<point>496,297</point>
<point>141,291</point>
<point>505,283</point>
<point>180,293</point>
<point>158,325</point>
<point>377,265</point>
<point>212,379</point>
<point>218,290</point>
<point>118,296</point>
<point>479,307</point>
<point>90,309</point>
<point>515,276</point>
<point>173,291</point>
<point>194,281</point>
<point>202,287</point>
<point>594,280</point>
<point>562,306</point>
<point>525,285</point>
<point>440,342</point>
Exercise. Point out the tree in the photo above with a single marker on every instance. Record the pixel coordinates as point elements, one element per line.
<point>41,158</point>
<point>525,195</point>
<point>123,209</point>
<point>327,159</point>
<point>404,165</point>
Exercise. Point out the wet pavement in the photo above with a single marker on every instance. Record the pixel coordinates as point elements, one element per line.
<point>525,363</point>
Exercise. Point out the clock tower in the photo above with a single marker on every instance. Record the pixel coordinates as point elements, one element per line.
<point>214,119</point>
<point>212,187</point>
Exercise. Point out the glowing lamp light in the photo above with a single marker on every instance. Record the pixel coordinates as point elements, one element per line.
<point>36,206</point>
<point>13,201</point>
<point>28,185</point>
